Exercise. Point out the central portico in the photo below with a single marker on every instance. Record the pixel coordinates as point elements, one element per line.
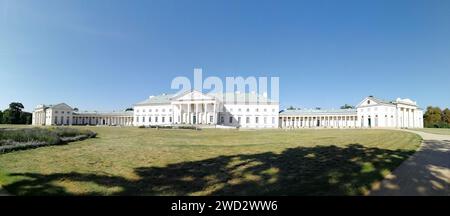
<point>248,110</point>
<point>195,108</point>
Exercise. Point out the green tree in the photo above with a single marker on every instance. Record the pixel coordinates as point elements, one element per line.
<point>16,106</point>
<point>13,114</point>
<point>25,118</point>
<point>432,117</point>
<point>347,106</point>
<point>1,117</point>
<point>446,116</point>
<point>7,119</point>
<point>129,109</point>
<point>291,108</point>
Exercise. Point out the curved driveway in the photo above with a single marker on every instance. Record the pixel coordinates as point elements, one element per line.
<point>426,173</point>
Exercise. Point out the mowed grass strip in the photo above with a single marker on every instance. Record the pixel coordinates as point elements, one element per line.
<point>134,161</point>
<point>443,131</point>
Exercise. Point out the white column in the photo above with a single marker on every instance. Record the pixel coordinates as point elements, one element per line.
<point>189,114</point>
<point>205,113</point>
<point>197,119</point>
<point>214,114</point>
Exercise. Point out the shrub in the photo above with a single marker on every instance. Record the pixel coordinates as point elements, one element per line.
<point>29,135</point>
<point>188,127</point>
<point>18,139</point>
<point>164,127</point>
<point>71,132</point>
<point>170,127</point>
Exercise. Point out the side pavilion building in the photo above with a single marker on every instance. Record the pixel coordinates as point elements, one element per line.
<point>371,112</point>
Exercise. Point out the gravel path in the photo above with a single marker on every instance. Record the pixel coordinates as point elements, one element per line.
<point>426,173</point>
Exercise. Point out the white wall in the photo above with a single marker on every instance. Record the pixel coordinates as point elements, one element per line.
<point>153,115</point>
<point>259,116</point>
<point>55,116</point>
<point>380,116</point>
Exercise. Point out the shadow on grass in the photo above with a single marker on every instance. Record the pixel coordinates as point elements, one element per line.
<point>426,174</point>
<point>320,170</point>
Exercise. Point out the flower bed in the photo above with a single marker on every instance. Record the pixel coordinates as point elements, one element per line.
<point>25,138</point>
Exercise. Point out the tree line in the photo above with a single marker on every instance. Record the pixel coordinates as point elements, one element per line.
<point>14,114</point>
<point>435,117</point>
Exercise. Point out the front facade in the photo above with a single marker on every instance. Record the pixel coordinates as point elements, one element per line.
<point>369,113</point>
<point>59,114</point>
<point>195,108</point>
<point>238,110</point>
<point>63,114</point>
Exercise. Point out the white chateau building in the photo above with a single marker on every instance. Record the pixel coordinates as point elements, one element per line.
<point>245,110</point>
<point>369,113</point>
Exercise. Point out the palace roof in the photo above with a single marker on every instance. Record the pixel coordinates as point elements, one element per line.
<point>318,112</point>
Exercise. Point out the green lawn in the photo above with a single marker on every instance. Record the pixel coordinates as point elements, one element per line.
<point>444,131</point>
<point>133,161</point>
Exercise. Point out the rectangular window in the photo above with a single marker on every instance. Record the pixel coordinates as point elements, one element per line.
<point>137,119</point>
<point>163,119</point>
<point>265,120</point>
<point>170,119</point>
<point>239,120</point>
<point>143,119</point>
<point>273,120</point>
<point>149,119</point>
<point>156,119</point>
<point>256,120</point>
<point>231,119</point>
<point>222,120</point>
<point>211,118</point>
<point>247,120</point>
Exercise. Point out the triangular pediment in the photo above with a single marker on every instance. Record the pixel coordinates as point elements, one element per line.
<point>192,95</point>
<point>62,106</point>
<point>368,101</point>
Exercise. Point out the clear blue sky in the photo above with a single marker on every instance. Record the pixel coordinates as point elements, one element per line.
<point>107,55</point>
